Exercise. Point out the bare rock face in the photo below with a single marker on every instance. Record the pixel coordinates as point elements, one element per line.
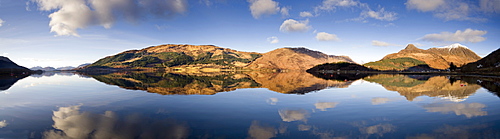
<point>439,58</point>
<point>294,59</point>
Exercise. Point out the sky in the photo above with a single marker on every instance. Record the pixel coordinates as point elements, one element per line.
<point>61,33</point>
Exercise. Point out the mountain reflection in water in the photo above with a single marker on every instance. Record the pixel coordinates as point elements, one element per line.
<point>209,84</point>
<point>453,88</point>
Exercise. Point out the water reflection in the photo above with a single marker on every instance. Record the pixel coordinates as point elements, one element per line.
<point>209,84</point>
<point>6,81</point>
<point>467,109</point>
<point>70,122</point>
<point>432,86</point>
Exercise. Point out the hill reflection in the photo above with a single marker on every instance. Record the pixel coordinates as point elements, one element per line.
<point>424,85</point>
<point>453,88</point>
<point>209,84</point>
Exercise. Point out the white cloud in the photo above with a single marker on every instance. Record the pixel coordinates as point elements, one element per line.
<point>291,25</point>
<point>380,15</point>
<point>284,11</point>
<point>490,6</point>
<point>306,14</point>
<point>259,131</point>
<point>331,5</point>
<point>460,10</point>
<point>69,15</point>
<point>424,5</point>
<point>381,43</point>
<point>468,35</point>
<point>323,36</point>
<point>3,124</point>
<point>1,22</point>
<point>273,39</point>
<point>263,7</point>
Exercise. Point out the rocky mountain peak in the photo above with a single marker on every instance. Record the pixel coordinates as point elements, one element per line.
<point>411,47</point>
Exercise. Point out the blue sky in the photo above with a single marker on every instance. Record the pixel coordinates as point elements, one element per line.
<point>72,32</point>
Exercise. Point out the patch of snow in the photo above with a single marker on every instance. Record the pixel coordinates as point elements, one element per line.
<point>453,46</point>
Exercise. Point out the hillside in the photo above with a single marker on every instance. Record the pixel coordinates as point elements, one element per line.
<point>401,63</point>
<point>438,58</point>
<point>9,67</point>
<point>173,56</point>
<point>489,63</point>
<point>294,59</point>
<point>340,66</point>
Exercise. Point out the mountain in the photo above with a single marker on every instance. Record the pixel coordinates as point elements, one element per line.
<point>340,66</point>
<point>9,67</point>
<point>83,65</point>
<point>294,59</point>
<point>178,57</point>
<point>400,63</point>
<point>43,68</point>
<point>438,58</point>
<point>65,68</point>
<point>489,63</point>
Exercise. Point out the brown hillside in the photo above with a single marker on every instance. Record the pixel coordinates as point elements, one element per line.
<point>439,58</point>
<point>294,59</point>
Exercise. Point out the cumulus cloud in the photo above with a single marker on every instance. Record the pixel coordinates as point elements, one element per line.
<point>284,11</point>
<point>455,9</point>
<point>71,123</point>
<point>467,109</point>
<point>1,22</point>
<point>331,5</point>
<point>69,15</point>
<point>323,36</point>
<point>468,35</point>
<point>380,15</point>
<point>424,5</point>
<point>293,115</point>
<point>325,105</point>
<point>381,43</point>
<point>291,25</point>
<point>490,6</point>
<point>306,14</point>
<point>3,124</point>
<point>263,7</point>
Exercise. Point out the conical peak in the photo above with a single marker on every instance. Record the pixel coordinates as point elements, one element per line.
<point>410,47</point>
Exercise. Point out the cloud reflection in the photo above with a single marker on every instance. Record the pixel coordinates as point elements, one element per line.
<point>293,115</point>
<point>69,122</point>
<point>3,124</point>
<point>325,105</point>
<point>467,109</point>
<point>258,131</point>
<point>272,101</point>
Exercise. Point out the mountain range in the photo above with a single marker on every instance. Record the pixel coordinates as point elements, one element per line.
<point>438,58</point>
<point>213,58</point>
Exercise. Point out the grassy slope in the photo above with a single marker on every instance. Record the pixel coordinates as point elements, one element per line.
<point>394,64</point>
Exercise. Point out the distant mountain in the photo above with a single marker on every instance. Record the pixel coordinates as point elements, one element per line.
<point>66,68</point>
<point>9,67</point>
<point>400,63</point>
<point>294,59</point>
<point>177,57</point>
<point>489,63</point>
<point>83,65</point>
<point>43,68</point>
<point>438,58</point>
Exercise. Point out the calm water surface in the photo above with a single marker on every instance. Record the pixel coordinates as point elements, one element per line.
<point>248,105</point>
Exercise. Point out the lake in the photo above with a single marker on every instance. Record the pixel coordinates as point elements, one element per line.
<point>248,105</point>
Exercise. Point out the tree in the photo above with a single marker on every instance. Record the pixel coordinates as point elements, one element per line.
<point>452,67</point>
